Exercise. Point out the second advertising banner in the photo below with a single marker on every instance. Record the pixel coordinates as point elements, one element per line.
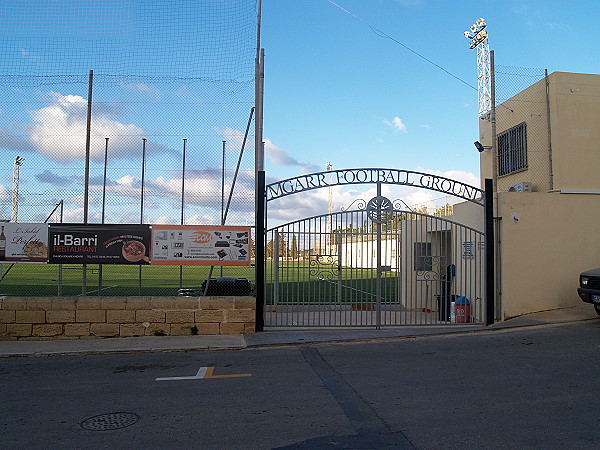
<point>207,245</point>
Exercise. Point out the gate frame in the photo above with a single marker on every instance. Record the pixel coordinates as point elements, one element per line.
<point>289,186</point>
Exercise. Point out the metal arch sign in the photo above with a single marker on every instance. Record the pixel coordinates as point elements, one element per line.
<point>399,177</point>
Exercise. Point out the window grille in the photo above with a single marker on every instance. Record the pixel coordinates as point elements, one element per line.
<point>512,150</point>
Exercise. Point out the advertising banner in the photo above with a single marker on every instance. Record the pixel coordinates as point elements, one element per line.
<point>24,242</point>
<point>98,244</point>
<point>206,245</point>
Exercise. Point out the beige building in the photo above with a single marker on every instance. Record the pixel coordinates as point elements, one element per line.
<point>548,183</point>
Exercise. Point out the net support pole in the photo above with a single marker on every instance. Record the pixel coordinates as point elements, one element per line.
<point>103,209</point>
<point>182,204</point>
<point>87,172</point>
<point>142,203</point>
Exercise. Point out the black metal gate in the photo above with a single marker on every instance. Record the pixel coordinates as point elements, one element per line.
<point>377,264</point>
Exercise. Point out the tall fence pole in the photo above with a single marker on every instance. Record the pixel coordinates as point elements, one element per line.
<point>142,203</point>
<point>87,172</point>
<point>260,219</point>
<point>182,204</point>
<point>237,167</point>
<point>222,196</point>
<point>103,210</point>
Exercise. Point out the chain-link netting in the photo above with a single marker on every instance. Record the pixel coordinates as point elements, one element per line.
<point>522,127</point>
<point>170,78</point>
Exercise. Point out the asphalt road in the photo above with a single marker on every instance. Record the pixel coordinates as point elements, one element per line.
<point>519,388</point>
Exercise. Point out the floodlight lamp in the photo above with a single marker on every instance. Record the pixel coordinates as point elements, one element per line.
<point>478,146</point>
<point>480,22</point>
<point>473,28</point>
<point>467,35</point>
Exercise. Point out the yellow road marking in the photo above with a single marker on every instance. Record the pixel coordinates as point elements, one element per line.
<point>210,370</point>
<point>204,372</point>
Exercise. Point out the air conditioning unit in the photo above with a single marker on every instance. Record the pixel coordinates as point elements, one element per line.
<point>521,187</point>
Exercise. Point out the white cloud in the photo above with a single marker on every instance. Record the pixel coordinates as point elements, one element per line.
<point>59,131</point>
<point>315,202</point>
<point>5,193</point>
<point>234,139</point>
<point>202,219</point>
<point>142,87</point>
<point>127,180</point>
<point>281,157</point>
<point>396,125</point>
<point>79,200</point>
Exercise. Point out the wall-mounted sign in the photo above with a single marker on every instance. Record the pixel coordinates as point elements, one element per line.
<point>98,244</point>
<point>205,245</point>
<point>371,176</point>
<point>24,242</point>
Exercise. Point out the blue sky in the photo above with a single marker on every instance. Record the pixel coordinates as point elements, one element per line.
<point>335,90</point>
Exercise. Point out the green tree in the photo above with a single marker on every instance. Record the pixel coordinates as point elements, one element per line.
<point>294,248</point>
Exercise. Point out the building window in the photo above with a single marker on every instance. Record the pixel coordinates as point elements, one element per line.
<point>423,261</point>
<point>512,150</point>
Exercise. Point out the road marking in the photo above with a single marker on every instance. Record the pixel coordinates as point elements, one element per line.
<point>198,376</point>
<point>210,370</point>
<point>204,372</point>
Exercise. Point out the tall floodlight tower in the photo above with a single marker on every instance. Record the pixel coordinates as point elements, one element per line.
<point>486,87</point>
<point>15,191</point>
<point>328,166</point>
<point>479,40</point>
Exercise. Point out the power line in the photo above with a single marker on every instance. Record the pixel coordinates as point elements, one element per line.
<point>382,34</point>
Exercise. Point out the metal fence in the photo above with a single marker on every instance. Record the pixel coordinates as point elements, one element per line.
<point>171,110</point>
<point>323,271</point>
<point>526,114</point>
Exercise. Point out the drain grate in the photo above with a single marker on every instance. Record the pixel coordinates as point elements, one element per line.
<point>110,421</point>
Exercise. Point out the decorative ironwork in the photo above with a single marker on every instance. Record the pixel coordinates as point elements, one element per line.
<point>360,204</point>
<point>380,209</point>
<point>437,272</point>
<point>400,205</point>
<point>323,266</point>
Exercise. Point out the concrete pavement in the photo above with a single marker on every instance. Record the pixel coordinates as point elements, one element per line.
<point>279,336</point>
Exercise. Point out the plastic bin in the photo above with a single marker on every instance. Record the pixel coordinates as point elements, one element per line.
<point>227,286</point>
<point>443,306</point>
<point>463,310</point>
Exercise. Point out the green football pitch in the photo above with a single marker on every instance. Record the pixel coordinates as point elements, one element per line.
<point>47,280</point>
<point>298,282</point>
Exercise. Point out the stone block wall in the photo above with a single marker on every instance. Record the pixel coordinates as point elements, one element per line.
<point>36,318</point>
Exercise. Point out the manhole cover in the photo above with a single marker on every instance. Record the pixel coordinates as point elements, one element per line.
<point>110,421</point>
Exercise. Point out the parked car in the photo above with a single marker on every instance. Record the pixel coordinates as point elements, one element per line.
<point>589,288</point>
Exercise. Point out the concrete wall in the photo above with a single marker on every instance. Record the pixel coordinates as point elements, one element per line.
<point>549,236</point>
<point>573,143</point>
<point>37,318</point>
<point>547,240</point>
<point>574,114</point>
